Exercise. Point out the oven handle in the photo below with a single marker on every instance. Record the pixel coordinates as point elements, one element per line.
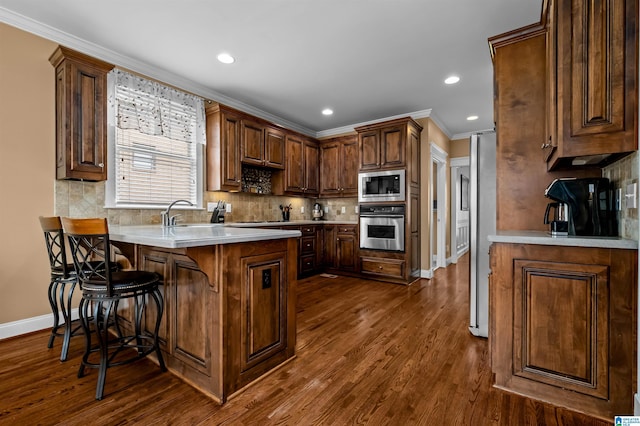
<point>392,216</point>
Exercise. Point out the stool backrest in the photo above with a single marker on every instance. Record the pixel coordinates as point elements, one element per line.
<point>90,250</point>
<point>54,238</point>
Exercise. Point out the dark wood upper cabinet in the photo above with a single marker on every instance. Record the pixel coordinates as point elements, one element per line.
<point>81,115</point>
<point>384,145</point>
<point>592,81</point>
<point>338,170</point>
<point>301,175</point>
<point>262,145</point>
<point>224,172</point>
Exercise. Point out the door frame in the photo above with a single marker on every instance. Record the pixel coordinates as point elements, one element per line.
<point>455,164</point>
<point>439,157</point>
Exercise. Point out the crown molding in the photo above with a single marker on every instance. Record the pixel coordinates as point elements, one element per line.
<point>38,28</point>
<point>350,128</point>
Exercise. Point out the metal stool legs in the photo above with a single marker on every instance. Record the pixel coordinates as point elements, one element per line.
<point>100,314</point>
<point>60,299</point>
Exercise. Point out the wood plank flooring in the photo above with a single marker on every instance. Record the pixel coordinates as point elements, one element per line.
<point>368,353</point>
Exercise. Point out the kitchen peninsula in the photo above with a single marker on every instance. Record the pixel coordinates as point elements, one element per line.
<point>229,294</point>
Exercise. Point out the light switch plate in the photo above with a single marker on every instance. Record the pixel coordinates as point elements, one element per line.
<point>326,209</point>
<point>619,199</point>
<point>344,209</point>
<point>302,209</point>
<point>227,208</point>
<point>211,206</point>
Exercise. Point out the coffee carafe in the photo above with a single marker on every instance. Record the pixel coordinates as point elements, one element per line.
<point>317,211</point>
<point>559,225</point>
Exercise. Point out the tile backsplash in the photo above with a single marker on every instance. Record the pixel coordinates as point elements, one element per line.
<point>86,199</point>
<point>621,173</point>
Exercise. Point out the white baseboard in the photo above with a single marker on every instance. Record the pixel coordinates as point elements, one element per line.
<point>28,325</point>
<point>426,273</point>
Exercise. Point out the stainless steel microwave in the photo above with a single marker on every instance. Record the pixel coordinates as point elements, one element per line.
<point>387,185</point>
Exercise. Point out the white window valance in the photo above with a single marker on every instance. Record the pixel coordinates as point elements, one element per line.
<point>155,109</point>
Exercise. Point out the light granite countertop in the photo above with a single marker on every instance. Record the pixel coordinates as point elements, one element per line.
<point>290,223</point>
<point>545,238</point>
<point>193,235</point>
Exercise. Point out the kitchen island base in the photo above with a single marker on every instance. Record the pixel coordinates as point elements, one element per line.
<point>229,310</point>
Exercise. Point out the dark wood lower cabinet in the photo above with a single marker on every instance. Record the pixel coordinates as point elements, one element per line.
<point>562,325</point>
<point>229,311</point>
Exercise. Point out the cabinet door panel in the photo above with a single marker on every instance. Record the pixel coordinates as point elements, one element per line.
<point>392,147</point>
<point>369,147</point>
<point>311,161</point>
<point>192,333</point>
<point>294,170</point>
<point>274,150</point>
<point>348,170</point>
<point>157,261</point>
<point>263,302</point>
<point>329,157</point>
<point>252,137</point>
<point>561,325</point>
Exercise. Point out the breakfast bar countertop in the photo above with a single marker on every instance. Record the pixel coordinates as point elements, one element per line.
<point>193,235</point>
<point>545,238</point>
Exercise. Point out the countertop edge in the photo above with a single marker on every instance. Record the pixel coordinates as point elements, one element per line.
<point>545,238</point>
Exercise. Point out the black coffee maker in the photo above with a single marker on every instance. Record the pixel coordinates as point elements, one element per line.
<point>590,204</point>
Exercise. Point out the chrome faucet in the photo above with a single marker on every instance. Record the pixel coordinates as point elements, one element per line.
<point>167,219</point>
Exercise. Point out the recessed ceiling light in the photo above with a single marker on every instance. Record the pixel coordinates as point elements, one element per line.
<point>225,58</point>
<point>327,111</point>
<point>452,79</point>
<point>472,117</point>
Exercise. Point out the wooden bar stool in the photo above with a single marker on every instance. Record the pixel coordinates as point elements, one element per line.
<point>102,290</point>
<point>62,285</point>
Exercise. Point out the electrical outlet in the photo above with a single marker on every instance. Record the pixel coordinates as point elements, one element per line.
<point>631,196</point>
<point>302,209</point>
<point>343,209</point>
<point>619,199</point>
<point>356,209</point>
<point>227,208</point>
<point>211,206</point>
<point>326,209</point>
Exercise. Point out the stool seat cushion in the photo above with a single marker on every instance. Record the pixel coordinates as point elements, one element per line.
<point>122,282</point>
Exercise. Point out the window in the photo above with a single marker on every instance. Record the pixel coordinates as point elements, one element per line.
<point>155,139</point>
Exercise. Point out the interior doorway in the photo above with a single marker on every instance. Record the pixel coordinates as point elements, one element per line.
<point>439,204</point>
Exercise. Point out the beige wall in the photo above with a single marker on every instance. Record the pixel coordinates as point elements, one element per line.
<point>27,173</point>
<point>459,148</point>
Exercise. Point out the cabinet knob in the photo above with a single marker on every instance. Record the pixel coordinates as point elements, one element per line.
<point>101,165</point>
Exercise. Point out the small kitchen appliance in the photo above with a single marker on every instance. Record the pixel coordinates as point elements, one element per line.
<point>381,186</point>
<point>590,206</point>
<point>559,225</point>
<point>317,212</point>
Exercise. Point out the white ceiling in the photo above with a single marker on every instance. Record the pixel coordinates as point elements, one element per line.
<point>365,59</point>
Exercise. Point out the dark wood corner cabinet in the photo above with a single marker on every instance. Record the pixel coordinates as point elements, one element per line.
<point>229,310</point>
<point>81,115</point>
<point>592,81</point>
<point>301,175</point>
<point>338,171</point>
<point>562,325</point>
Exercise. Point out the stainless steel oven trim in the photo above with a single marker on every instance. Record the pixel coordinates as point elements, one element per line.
<point>381,197</point>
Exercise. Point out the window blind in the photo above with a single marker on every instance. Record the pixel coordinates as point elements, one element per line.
<point>156,133</point>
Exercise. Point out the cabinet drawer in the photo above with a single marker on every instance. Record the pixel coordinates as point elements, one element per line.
<point>308,245</point>
<point>347,229</point>
<point>307,263</point>
<point>382,267</point>
<point>308,229</point>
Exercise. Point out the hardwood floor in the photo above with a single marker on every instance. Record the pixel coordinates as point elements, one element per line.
<point>368,353</point>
